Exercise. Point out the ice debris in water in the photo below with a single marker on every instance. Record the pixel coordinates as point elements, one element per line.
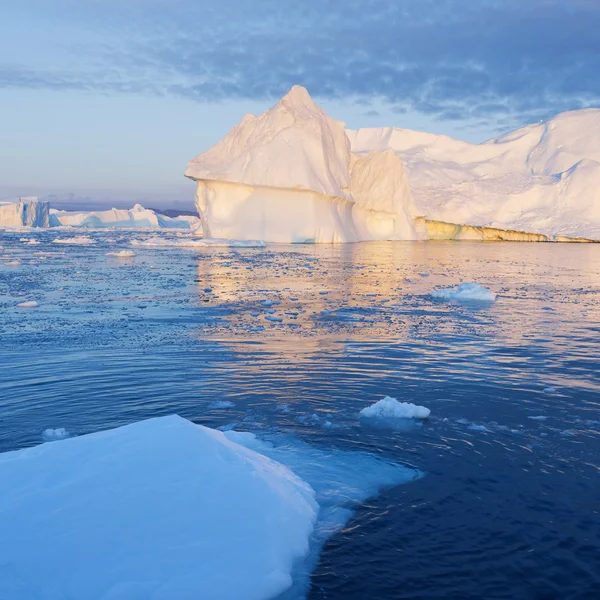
<point>221,404</point>
<point>122,254</point>
<point>482,428</point>
<point>28,304</point>
<point>465,292</point>
<point>199,242</point>
<point>50,435</point>
<point>390,408</point>
<point>78,240</point>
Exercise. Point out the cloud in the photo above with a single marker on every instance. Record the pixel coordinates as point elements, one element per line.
<point>450,59</point>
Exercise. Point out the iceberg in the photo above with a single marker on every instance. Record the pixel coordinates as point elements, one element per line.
<point>168,509</point>
<point>289,176</point>
<point>538,183</point>
<point>117,218</point>
<point>25,212</point>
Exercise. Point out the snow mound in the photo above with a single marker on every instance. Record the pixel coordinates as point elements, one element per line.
<point>122,254</point>
<point>78,240</point>
<point>390,408</point>
<point>199,243</point>
<point>28,304</point>
<point>117,218</point>
<point>161,508</point>
<point>25,212</point>
<point>51,435</point>
<point>465,292</point>
<point>288,176</point>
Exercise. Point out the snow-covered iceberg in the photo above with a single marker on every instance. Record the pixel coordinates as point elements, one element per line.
<point>542,179</point>
<point>288,175</point>
<point>118,218</point>
<point>25,212</point>
<point>167,509</point>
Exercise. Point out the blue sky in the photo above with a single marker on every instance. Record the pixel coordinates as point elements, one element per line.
<point>108,99</point>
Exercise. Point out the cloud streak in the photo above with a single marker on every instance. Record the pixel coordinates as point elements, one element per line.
<point>450,59</point>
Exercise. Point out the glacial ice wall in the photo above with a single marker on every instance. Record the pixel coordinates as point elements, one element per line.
<point>26,212</point>
<point>289,176</point>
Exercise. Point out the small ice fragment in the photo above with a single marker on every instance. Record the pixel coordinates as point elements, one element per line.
<point>122,254</point>
<point>549,390</point>
<point>273,318</point>
<point>14,263</point>
<point>390,408</point>
<point>474,427</point>
<point>51,435</point>
<point>79,240</point>
<point>462,421</point>
<point>221,404</point>
<point>538,418</point>
<point>465,292</point>
<point>28,304</point>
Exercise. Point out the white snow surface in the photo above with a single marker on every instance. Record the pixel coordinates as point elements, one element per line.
<point>543,178</point>
<point>167,509</point>
<point>25,212</point>
<point>118,218</point>
<point>390,408</point>
<point>465,292</point>
<point>288,176</point>
<point>159,509</point>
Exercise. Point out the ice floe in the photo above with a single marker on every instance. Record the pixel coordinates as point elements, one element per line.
<point>199,243</point>
<point>169,509</point>
<point>390,408</point>
<point>465,292</point>
<point>78,240</point>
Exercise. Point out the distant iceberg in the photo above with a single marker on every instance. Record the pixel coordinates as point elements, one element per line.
<point>25,212</point>
<point>118,218</point>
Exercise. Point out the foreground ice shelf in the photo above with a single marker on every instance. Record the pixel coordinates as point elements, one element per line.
<point>166,509</point>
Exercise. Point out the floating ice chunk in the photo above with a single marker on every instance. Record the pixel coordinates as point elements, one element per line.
<point>482,428</point>
<point>78,240</point>
<point>13,263</point>
<point>390,408</point>
<point>162,508</point>
<point>465,292</point>
<point>28,304</point>
<point>538,418</point>
<point>199,243</point>
<point>122,254</point>
<point>217,404</point>
<point>50,435</point>
<point>549,390</point>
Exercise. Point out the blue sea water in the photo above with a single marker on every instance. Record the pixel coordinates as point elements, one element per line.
<point>299,339</point>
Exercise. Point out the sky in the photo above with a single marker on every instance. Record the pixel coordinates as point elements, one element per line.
<point>103,102</point>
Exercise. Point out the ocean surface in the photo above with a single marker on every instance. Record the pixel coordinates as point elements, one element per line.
<point>299,339</point>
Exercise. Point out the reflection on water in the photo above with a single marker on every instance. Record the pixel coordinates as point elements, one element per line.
<point>300,339</point>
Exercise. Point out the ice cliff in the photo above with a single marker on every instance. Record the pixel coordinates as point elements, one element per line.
<point>25,212</point>
<point>294,174</point>
<point>542,179</point>
<point>288,175</point>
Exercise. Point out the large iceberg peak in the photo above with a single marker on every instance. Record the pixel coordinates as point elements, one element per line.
<point>294,144</point>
